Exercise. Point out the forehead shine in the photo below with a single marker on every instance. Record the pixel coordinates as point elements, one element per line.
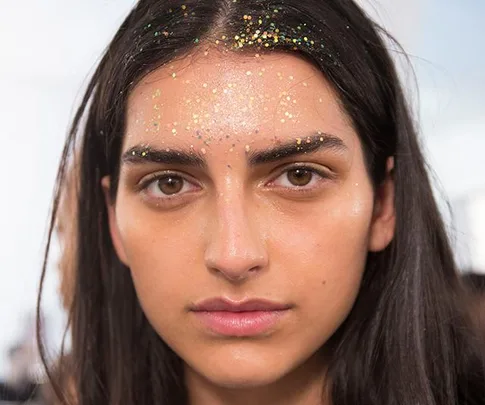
<point>213,97</point>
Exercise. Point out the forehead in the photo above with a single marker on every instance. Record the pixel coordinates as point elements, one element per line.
<point>218,96</point>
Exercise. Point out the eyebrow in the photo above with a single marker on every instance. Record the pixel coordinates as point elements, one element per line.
<point>297,147</point>
<point>142,154</point>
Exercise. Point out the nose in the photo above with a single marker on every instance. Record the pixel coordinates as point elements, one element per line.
<point>236,250</point>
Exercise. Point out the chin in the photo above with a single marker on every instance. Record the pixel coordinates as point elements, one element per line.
<point>243,379</point>
<point>242,370</point>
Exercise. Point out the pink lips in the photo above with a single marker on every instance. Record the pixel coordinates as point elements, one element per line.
<point>247,318</point>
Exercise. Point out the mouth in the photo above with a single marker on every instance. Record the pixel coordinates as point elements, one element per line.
<point>239,318</point>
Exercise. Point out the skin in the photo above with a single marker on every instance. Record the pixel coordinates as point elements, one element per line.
<point>240,230</point>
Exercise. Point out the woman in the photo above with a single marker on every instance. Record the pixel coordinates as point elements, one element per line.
<point>256,223</point>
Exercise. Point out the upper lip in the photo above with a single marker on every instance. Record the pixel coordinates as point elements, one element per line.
<point>224,304</point>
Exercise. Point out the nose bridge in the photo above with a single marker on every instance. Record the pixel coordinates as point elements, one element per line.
<point>236,247</point>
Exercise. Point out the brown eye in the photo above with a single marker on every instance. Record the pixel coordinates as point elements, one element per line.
<point>167,188</point>
<point>299,177</point>
<point>170,185</point>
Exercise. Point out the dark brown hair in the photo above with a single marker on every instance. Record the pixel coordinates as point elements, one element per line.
<point>406,341</point>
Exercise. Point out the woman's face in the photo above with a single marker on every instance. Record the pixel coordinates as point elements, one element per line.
<point>245,213</point>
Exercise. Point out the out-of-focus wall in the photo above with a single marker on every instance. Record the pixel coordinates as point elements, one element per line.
<point>469,220</point>
<point>47,50</point>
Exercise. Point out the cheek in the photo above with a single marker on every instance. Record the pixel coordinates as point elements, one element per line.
<point>325,256</point>
<point>161,253</point>
<point>336,230</point>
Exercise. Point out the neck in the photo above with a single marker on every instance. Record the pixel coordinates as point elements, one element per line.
<point>303,386</point>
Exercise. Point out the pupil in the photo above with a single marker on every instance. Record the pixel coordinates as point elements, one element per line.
<point>170,185</point>
<point>299,177</point>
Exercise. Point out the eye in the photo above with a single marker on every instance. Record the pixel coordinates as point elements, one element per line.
<point>166,186</point>
<point>170,185</point>
<point>300,177</point>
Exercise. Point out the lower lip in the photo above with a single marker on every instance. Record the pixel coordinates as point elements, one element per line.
<point>250,323</point>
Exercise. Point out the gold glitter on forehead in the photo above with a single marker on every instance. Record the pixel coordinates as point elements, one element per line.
<point>157,93</point>
<point>260,32</point>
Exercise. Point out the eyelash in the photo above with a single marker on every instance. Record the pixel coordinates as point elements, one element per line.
<point>318,175</point>
<point>153,179</point>
<point>321,175</point>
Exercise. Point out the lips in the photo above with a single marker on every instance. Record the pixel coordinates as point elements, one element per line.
<point>239,318</point>
<point>221,304</point>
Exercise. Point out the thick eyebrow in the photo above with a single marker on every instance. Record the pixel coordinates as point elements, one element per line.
<point>299,146</point>
<point>140,154</point>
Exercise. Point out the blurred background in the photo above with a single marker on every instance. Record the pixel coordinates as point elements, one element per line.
<point>48,49</point>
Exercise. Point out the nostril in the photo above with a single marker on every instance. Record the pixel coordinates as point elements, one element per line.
<point>234,273</point>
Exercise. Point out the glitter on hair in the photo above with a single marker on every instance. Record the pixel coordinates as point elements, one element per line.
<point>266,33</point>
